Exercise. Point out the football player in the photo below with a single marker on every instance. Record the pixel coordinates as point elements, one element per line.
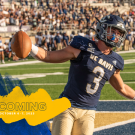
<point>92,64</point>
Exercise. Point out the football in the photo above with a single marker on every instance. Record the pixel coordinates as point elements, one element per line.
<point>21,44</point>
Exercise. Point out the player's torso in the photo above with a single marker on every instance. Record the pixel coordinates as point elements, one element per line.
<point>92,72</point>
<point>88,75</point>
<point>57,38</point>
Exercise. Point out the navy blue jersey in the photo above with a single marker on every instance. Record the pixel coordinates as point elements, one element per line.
<point>66,38</point>
<point>89,72</point>
<point>58,39</point>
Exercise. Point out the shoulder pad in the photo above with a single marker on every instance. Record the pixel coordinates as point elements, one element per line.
<point>118,61</point>
<point>80,42</point>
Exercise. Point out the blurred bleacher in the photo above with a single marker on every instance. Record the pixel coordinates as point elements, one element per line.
<point>108,4</point>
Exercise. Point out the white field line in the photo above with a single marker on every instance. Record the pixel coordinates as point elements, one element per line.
<point>20,63</point>
<point>45,84</point>
<point>54,68</point>
<point>124,82</point>
<point>114,125</point>
<point>127,72</point>
<point>115,111</point>
<point>49,123</point>
<point>57,83</point>
<point>125,51</point>
<point>34,75</point>
<point>26,63</point>
<point>129,61</point>
<point>37,68</point>
<point>36,61</point>
<point>116,100</point>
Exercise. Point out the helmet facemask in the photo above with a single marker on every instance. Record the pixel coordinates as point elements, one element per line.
<point>112,34</point>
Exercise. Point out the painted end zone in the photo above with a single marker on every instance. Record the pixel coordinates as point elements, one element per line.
<point>113,118</point>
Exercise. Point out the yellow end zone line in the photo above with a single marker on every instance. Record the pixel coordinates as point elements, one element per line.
<point>49,124</point>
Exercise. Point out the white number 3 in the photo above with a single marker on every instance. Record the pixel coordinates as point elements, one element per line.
<point>96,80</point>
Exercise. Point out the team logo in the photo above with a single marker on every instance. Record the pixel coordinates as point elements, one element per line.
<point>114,62</point>
<point>90,48</point>
<point>90,45</point>
<point>120,25</point>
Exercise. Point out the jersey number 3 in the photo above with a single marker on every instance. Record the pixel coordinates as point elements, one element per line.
<point>96,80</point>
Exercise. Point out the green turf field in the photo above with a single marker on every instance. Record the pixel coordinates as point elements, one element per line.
<point>127,56</point>
<point>38,77</point>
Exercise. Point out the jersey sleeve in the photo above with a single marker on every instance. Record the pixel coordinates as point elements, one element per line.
<point>79,42</point>
<point>120,64</point>
<point>118,61</point>
<point>79,57</point>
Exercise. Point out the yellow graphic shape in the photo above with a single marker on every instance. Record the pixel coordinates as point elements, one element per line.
<point>103,119</point>
<point>36,108</point>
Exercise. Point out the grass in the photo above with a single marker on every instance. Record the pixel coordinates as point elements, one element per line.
<point>127,56</point>
<point>54,91</point>
<point>108,93</point>
<point>30,71</point>
<point>11,61</point>
<point>48,79</point>
<point>129,67</point>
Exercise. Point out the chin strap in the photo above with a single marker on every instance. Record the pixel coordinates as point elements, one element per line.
<point>98,20</point>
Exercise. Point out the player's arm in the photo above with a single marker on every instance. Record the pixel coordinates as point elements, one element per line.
<point>63,55</point>
<point>118,84</point>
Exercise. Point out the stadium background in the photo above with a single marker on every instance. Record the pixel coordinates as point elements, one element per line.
<point>115,114</point>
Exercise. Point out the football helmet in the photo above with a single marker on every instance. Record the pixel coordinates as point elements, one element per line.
<point>104,29</point>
